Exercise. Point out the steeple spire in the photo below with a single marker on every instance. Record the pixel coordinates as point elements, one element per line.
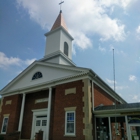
<point>60,20</point>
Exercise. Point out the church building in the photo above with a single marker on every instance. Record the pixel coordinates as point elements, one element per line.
<point>64,101</point>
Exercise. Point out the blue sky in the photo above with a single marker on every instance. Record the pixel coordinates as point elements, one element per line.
<point>97,26</point>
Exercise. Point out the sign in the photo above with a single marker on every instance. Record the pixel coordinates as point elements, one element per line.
<point>41,100</point>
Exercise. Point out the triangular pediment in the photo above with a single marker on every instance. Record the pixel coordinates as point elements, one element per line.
<point>50,72</point>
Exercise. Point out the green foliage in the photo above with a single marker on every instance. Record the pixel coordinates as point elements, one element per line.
<point>1,137</point>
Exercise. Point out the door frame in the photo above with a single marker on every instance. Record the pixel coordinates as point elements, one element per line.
<point>37,112</point>
<point>132,124</point>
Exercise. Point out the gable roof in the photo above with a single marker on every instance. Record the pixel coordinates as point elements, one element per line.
<point>78,73</point>
<point>59,22</point>
<point>64,72</point>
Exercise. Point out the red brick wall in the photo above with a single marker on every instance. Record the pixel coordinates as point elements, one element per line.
<point>14,110</point>
<point>101,97</point>
<point>28,114</point>
<point>62,101</point>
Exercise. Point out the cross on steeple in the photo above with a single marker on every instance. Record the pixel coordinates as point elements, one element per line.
<point>61,5</point>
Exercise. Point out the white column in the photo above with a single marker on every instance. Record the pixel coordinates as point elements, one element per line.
<point>49,113</point>
<point>127,127</point>
<point>110,133</point>
<point>21,112</point>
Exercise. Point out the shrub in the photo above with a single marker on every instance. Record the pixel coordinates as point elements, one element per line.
<point>1,137</point>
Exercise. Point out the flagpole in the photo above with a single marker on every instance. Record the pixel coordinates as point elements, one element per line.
<point>114,91</point>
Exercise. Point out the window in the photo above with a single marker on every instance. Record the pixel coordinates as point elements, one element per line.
<point>4,125</point>
<point>37,75</point>
<point>66,48</point>
<point>70,123</point>
<point>44,122</point>
<point>38,123</point>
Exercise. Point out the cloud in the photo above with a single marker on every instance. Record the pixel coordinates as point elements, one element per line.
<point>117,51</point>
<point>81,40</point>
<point>132,78</point>
<point>102,49</point>
<point>111,81</point>
<point>5,61</point>
<point>135,97</point>
<point>138,32</point>
<point>121,87</point>
<point>83,18</point>
<point>13,61</point>
<point>117,87</point>
<point>122,3</point>
<point>138,29</point>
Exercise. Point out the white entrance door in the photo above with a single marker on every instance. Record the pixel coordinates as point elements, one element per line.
<point>40,124</point>
<point>134,132</point>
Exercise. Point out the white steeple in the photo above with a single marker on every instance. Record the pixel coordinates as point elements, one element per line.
<point>59,43</point>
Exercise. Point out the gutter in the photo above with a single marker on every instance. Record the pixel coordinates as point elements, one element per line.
<point>128,110</point>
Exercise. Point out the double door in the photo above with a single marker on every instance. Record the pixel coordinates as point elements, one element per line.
<point>40,124</point>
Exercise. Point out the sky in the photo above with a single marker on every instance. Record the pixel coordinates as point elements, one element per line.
<point>98,27</point>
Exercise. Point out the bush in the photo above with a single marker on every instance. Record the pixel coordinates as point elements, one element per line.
<point>1,137</point>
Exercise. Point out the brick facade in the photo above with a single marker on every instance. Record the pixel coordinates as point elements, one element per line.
<point>28,114</point>
<point>101,97</point>
<point>13,109</point>
<point>73,94</point>
<point>71,100</point>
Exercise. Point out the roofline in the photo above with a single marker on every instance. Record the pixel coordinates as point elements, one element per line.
<point>97,80</point>
<point>18,76</point>
<point>57,53</point>
<point>107,87</point>
<point>41,63</point>
<point>59,28</point>
<point>111,111</point>
<point>48,84</point>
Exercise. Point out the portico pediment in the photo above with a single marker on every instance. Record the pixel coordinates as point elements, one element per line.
<point>50,72</point>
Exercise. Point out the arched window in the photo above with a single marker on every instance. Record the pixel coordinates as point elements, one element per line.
<point>66,48</point>
<point>37,75</point>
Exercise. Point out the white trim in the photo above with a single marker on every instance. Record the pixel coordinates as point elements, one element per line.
<point>49,113</point>
<point>80,69</point>
<point>45,85</point>
<point>37,112</point>
<point>132,124</point>
<point>60,28</point>
<point>70,134</point>
<point>110,133</point>
<point>3,124</point>
<point>127,129</point>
